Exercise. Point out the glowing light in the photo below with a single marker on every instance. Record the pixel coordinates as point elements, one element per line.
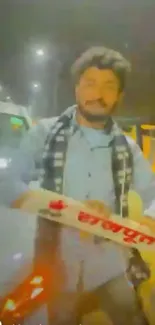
<point>4,163</point>
<point>10,305</point>
<point>36,86</point>
<point>16,121</point>
<point>40,52</point>
<point>37,280</point>
<point>17,256</point>
<point>36,292</point>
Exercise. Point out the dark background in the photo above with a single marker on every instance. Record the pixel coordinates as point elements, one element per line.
<point>65,28</point>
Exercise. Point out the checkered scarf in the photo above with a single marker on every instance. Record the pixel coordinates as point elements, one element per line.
<point>122,167</point>
<point>55,155</point>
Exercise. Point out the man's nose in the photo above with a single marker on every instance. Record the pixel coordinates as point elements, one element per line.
<point>94,94</point>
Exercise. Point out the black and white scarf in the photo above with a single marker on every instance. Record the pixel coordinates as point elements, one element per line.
<point>55,155</point>
<point>122,169</point>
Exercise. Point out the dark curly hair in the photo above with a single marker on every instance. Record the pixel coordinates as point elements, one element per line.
<point>102,58</point>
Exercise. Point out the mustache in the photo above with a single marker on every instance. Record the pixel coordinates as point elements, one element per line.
<point>99,101</point>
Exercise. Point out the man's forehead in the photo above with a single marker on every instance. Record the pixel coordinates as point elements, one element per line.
<point>93,73</point>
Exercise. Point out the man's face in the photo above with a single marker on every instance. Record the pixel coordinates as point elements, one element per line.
<point>97,93</point>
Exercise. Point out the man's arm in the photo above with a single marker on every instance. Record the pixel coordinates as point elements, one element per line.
<point>14,180</point>
<point>143,181</point>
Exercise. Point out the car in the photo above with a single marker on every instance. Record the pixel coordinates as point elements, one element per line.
<point>14,123</point>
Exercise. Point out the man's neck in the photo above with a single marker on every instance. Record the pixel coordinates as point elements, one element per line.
<point>81,120</point>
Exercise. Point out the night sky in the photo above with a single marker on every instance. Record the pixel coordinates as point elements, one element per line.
<point>65,28</point>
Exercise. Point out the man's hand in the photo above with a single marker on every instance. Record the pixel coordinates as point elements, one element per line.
<point>19,202</point>
<point>98,207</point>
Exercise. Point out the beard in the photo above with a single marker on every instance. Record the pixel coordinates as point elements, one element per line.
<point>93,117</point>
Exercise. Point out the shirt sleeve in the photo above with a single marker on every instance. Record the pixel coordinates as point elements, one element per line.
<point>15,179</point>
<point>143,180</point>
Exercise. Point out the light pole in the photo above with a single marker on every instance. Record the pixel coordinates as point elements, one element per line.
<point>40,56</point>
<point>35,90</point>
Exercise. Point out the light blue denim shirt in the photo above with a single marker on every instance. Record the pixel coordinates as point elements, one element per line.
<point>87,176</point>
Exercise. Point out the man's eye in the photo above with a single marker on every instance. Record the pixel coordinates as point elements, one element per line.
<point>110,88</point>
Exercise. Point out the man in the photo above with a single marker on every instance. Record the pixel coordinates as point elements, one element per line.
<point>88,158</point>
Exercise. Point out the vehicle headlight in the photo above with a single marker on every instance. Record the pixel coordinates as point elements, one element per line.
<point>4,163</point>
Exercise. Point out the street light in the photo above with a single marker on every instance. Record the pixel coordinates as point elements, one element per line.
<point>40,52</point>
<point>34,96</point>
<point>35,85</point>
